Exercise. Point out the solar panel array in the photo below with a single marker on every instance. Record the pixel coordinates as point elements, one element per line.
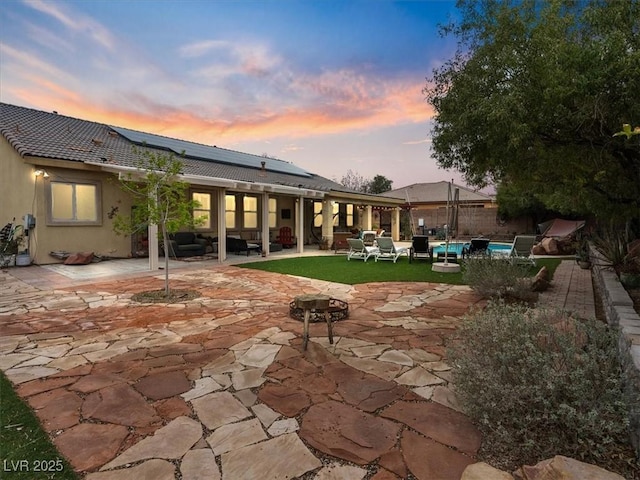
<point>209,153</point>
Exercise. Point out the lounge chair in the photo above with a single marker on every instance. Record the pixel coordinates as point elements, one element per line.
<point>420,248</point>
<point>360,251</point>
<point>388,251</point>
<point>477,246</point>
<point>520,252</point>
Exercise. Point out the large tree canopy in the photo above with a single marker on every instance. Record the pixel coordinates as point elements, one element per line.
<point>533,97</point>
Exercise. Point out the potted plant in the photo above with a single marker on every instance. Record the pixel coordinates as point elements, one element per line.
<point>10,248</point>
<point>583,258</point>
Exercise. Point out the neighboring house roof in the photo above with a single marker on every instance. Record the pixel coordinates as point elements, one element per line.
<point>437,192</point>
<point>34,133</point>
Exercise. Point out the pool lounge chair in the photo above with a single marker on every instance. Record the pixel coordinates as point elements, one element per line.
<point>388,251</point>
<point>420,248</point>
<point>360,251</point>
<point>520,252</point>
<point>477,246</point>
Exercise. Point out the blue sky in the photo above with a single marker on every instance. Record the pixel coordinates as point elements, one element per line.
<point>331,86</point>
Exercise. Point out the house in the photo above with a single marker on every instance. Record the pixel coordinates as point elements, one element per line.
<point>60,174</point>
<point>476,212</point>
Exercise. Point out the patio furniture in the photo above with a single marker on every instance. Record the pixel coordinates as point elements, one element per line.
<point>340,240</point>
<point>285,238</point>
<point>316,303</point>
<point>186,244</point>
<point>387,250</point>
<point>477,246</point>
<point>520,252</point>
<point>358,250</point>
<point>240,245</point>
<point>369,237</point>
<point>420,248</point>
<point>451,257</point>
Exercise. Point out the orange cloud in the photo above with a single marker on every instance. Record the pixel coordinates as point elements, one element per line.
<point>357,108</point>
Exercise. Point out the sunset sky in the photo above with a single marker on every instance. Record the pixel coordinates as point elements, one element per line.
<point>331,86</point>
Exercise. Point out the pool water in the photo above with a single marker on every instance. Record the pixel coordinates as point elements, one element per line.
<point>456,247</point>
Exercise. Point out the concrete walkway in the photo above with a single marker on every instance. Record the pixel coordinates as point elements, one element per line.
<point>219,386</point>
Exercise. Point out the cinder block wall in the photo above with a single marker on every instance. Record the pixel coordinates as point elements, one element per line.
<point>619,312</point>
<point>474,221</point>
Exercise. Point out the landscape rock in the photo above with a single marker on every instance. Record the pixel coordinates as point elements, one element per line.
<point>564,468</point>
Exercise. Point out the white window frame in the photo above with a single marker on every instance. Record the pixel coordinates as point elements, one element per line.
<point>273,212</point>
<point>227,211</point>
<point>250,217</point>
<point>51,220</point>
<point>199,211</point>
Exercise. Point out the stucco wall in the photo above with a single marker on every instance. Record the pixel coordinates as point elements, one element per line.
<point>21,192</point>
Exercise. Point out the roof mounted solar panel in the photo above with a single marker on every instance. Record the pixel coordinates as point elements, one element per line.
<point>209,153</point>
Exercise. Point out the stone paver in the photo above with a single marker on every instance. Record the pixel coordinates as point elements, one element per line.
<point>161,391</point>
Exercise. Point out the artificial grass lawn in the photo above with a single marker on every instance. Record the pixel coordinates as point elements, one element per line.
<point>25,449</point>
<point>336,268</point>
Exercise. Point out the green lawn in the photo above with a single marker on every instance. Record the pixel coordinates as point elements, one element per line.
<point>25,449</point>
<point>336,268</point>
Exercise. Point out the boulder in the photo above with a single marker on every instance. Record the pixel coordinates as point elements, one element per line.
<point>81,258</point>
<point>550,246</point>
<point>564,468</point>
<point>484,471</point>
<point>541,281</point>
<point>538,249</point>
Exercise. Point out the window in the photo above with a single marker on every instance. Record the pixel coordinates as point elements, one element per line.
<point>204,210</point>
<point>273,212</point>
<point>349,214</point>
<point>230,211</point>
<point>335,207</point>
<point>74,202</point>
<point>317,214</point>
<point>250,207</point>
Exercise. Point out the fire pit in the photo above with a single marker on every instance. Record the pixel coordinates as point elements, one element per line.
<point>338,310</point>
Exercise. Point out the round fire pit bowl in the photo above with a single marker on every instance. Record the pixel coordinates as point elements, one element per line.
<point>338,310</point>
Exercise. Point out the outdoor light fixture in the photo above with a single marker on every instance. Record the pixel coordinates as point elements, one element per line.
<point>41,173</point>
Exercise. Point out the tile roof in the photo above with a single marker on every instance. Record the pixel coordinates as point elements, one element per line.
<point>436,192</point>
<point>37,133</point>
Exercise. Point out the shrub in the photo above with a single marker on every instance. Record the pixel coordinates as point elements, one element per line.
<point>539,384</point>
<point>497,278</point>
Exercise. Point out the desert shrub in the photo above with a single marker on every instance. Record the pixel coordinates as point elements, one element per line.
<point>539,384</point>
<point>497,278</point>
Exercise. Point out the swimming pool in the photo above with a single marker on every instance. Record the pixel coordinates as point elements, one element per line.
<point>456,247</point>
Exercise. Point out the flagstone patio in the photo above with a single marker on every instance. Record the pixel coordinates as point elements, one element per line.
<point>220,387</point>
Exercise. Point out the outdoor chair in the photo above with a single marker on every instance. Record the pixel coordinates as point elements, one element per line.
<point>285,238</point>
<point>388,251</point>
<point>520,252</point>
<point>420,248</point>
<point>477,246</point>
<point>369,237</point>
<point>360,251</point>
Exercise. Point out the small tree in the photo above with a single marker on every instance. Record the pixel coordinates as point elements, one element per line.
<point>159,198</point>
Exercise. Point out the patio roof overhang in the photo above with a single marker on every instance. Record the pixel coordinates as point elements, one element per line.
<point>237,185</point>
<point>366,199</point>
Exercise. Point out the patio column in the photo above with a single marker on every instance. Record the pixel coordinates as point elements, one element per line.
<point>299,221</point>
<point>222,226</point>
<point>265,223</point>
<point>395,224</point>
<point>367,218</point>
<point>327,221</point>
